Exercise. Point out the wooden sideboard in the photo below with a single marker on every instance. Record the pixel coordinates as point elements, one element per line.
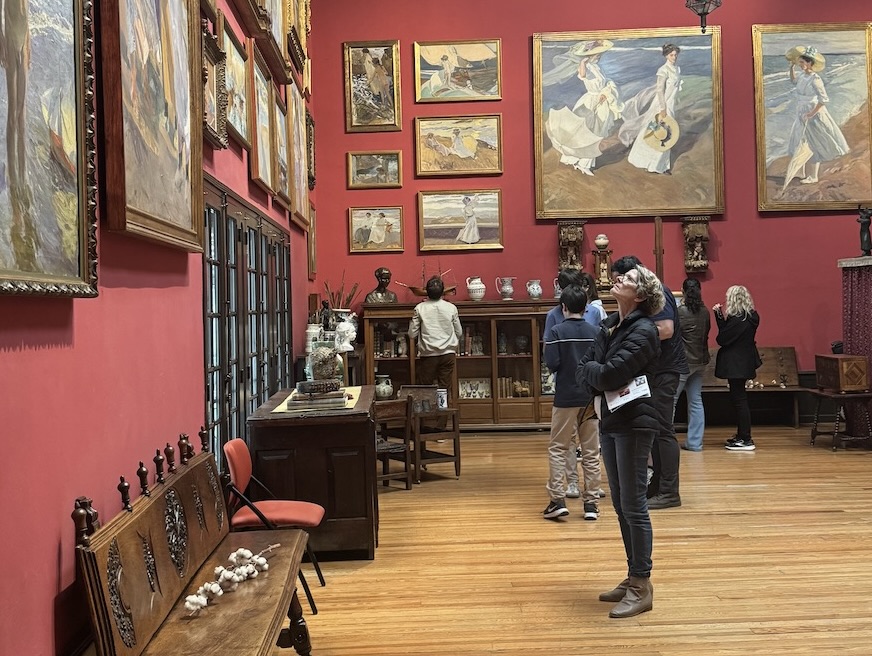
<point>326,457</point>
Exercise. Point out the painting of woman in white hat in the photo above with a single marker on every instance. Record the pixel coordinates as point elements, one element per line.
<point>576,134</point>
<point>815,136</point>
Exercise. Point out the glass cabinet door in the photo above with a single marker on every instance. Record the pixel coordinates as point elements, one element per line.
<point>515,375</point>
<point>391,349</point>
<point>474,371</point>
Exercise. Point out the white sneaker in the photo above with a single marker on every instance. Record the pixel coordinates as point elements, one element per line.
<point>572,491</point>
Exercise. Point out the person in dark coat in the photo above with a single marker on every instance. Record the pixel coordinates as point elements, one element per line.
<point>738,360</point>
<point>627,348</point>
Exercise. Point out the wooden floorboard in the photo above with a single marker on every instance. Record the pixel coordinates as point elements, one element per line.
<point>768,555</point>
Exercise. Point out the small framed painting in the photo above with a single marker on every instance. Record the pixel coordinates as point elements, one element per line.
<point>297,133</point>
<point>375,169</point>
<point>311,244</point>
<point>281,164</point>
<point>460,220</point>
<point>375,229</point>
<point>372,86</point>
<point>447,71</point>
<point>460,145</point>
<point>215,94</point>
<point>236,82</point>
<point>260,162</point>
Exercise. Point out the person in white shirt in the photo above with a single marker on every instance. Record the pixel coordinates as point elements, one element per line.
<point>436,325</point>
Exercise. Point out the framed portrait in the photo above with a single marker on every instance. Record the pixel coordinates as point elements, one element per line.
<point>608,116</point>
<point>372,86</point>
<point>260,161</point>
<point>297,117</point>
<point>311,244</point>
<point>812,92</point>
<point>310,148</point>
<point>375,229</point>
<point>48,208</point>
<point>215,91</point>
<point>154,124</point>
<point>375,169</point>
<point>281,162</point>
<point>236,81</point>
<point>460,220</point>
<point>272,41</point>
<point>459,145</point>
<point>447,71</point>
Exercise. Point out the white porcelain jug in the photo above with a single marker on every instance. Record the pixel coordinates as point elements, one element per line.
<point>504,285</point>
<point>475,288</point>
<point>534,289</point>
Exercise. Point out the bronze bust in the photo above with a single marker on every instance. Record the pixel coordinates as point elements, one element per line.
<point>381,294</point>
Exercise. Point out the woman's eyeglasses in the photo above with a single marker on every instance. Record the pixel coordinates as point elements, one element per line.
<point>623,277</point>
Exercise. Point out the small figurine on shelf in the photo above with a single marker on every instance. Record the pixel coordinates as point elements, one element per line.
<point>325,315</point>
<point>864,220</point>
<point>502,345</point>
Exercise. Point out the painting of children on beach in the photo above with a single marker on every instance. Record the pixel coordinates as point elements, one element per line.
<point>462,145</point>
<point>375,229</point>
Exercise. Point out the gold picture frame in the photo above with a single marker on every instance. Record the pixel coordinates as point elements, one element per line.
<point>460,220</point>
<point>272,41</point>
<point>592,146</point>
<point>458,71</point>
<point>262,90</point>
<point>155,192</point>
<point>822,161</point>
<point>372,86</point>
<point>297,132</point>
<point>282,174</point>
<point>459,145</point>
<point>374,169</point>
<point>215,91</point>
<point>236,77</point>
<point>311,244</point>
<point>375,229</point>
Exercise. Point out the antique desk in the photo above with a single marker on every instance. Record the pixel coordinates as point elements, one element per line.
<point>857,402</point>
<point>326,457</point>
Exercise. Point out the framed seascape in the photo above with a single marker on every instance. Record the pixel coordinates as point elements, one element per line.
<point>375,169</point>
<point>215,94</point>
<point>447,71</point>
<point>459,145</point>
<point>375,229</point>
<point>48,202</point>
<point>372,86</point>
<point>236,78</point>
<point>297,131</point>
<point>260,161</point>
<point>153,108</point>
<point>628,109</point>
<point>812,85</point>
<point>281,163</point>
<point>460,220</point>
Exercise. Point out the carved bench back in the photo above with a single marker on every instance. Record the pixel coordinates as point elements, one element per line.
<point>139,563</point>
<point>779,364</point>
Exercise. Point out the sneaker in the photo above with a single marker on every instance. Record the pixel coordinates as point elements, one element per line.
<point>601,494</point>
<point>746,444</point>
<point>572,491</point>
<point>555,509</point>
<point>591,511</point>
<point>577,453</point>
<point>733,440</point>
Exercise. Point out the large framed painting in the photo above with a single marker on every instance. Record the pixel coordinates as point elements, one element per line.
<point>310,149</point>
<point>48,199</point>
<point>628,109</point>
<point>215,94</point>
<point>260,161</point>
<point>236,79</point>
<point>153,108</point>
<point>375,229</point>
<point>375,169</point>
<point>281,162</point>
<point>272,42</point>
<point>295,38</point>
<point>448,71</point>
<point>297,117</point>
<point>812,91</point>
<point>459,145</point>
<point>311,245</point>
<point>372,86</point>
<point>460,220</point>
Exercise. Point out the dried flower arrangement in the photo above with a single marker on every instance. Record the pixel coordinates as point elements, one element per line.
<point>338,298</point>
<point>245,565</point>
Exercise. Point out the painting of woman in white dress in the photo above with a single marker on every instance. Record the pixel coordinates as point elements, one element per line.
<point>611,108</point>
<point>812,87</point>
<point>469,232</point>
<point>460,220</point>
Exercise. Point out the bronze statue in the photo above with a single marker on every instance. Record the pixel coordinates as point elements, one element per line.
<point>864,220</point>
<point>381,294</point>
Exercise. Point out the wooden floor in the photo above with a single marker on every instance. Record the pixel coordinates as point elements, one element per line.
<point>770,554</point>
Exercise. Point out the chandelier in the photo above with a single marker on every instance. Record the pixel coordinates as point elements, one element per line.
<point>702,8</point>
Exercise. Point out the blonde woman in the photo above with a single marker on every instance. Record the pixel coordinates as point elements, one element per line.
<point>738,359</point>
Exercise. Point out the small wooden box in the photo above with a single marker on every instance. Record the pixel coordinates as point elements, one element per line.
<point>842,373</point>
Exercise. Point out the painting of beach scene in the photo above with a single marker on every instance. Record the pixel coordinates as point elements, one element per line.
<point>375,229</point>
<point>812,90</point>
<point>372,86</point>
<point>447,71</point>
<point>375,169</point>
<point>260,162</point>
<point>236,79</point>
<point>460,220</point>
<point>461,145</point>
<point>628,109</point>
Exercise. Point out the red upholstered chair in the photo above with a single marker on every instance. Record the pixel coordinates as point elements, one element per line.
<point>271,513</point>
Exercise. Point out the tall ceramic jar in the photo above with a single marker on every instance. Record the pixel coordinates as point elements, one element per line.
<point>534,289</point>
<point>475,288</point>
<point>384,388</point>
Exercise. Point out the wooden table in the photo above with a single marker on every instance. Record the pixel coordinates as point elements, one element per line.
<point>856,401</point>
<point>326,457</point>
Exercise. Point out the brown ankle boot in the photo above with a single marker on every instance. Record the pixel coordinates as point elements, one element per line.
<point>639,598</point>
<point>617,594</point>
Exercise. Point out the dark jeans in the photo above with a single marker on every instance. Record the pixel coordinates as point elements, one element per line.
<point>626,459</point>
<point>739,399</point>
<point>666,453</point>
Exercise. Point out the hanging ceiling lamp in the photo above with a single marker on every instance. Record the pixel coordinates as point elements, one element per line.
<point>702,8</point>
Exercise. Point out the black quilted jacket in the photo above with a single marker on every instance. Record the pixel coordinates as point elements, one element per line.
<point>621,352</point>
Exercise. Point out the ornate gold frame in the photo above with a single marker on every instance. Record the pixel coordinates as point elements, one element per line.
<point>453,46</point>
<point>216,59</point>
<point>447,241</point>
<point>398,210</point>
<point>242,49</point>
<point>352,60</point>
<point>350,170</point>
<point>429,162</point>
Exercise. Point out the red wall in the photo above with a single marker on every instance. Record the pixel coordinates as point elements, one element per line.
<point>788,261</point>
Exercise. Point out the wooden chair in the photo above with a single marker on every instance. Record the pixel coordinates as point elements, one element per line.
<point>430,424</point>
<point>272,513</point>
<point>394,439</point>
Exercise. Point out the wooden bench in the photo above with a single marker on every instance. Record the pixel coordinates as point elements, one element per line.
<point>778,374</point>
<point>141,565</point>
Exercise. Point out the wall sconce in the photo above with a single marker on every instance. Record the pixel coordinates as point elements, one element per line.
<point>702,8</point>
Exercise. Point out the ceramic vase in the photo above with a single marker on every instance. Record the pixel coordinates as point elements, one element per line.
<point>475,288</point>
<point>384,388</point>
<point>504,285</point>
<point>601,241</point>
<point>534,289</point>
<point>557,290</point>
